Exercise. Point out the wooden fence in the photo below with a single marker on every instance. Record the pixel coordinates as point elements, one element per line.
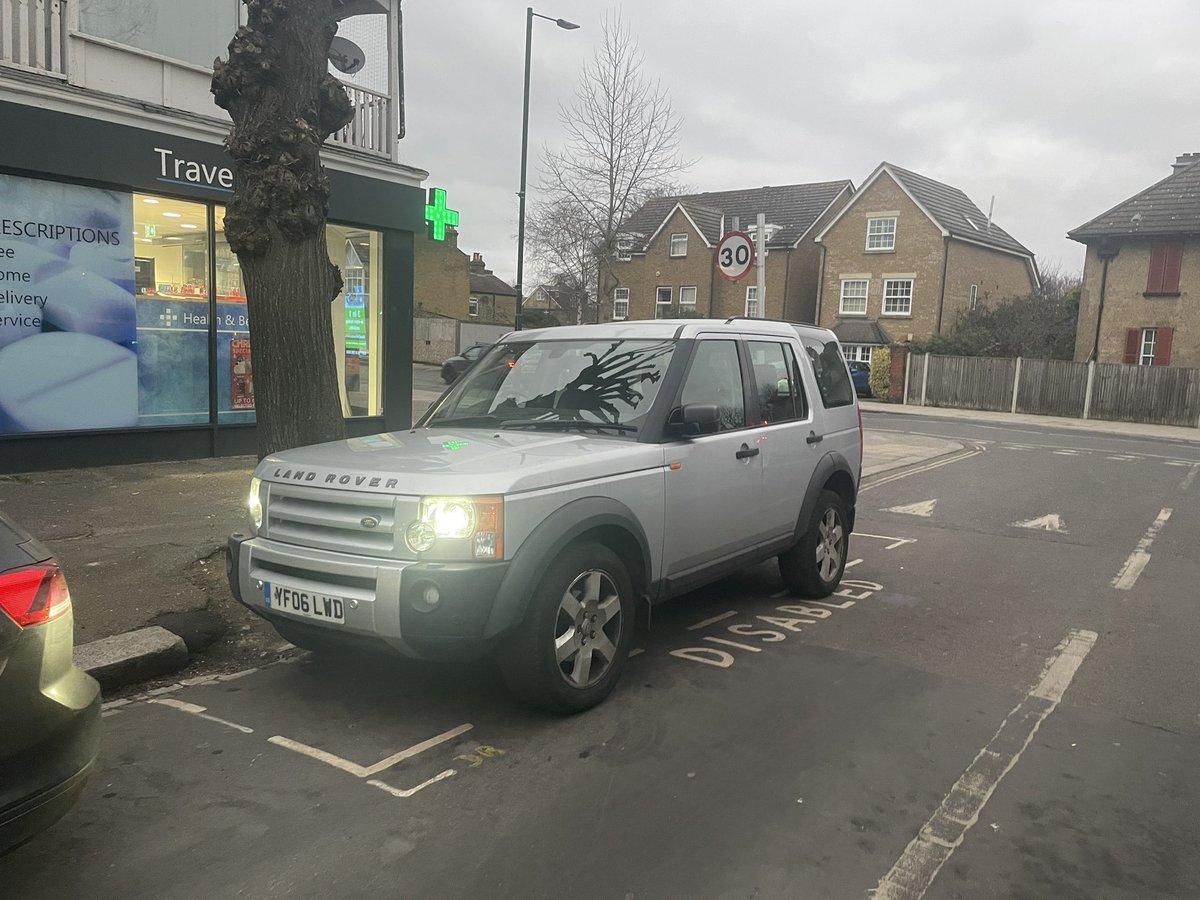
<point>1157,395</point>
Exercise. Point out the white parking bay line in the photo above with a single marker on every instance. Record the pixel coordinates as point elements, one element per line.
<point>1140,557</point>
<point>199,712</point>
<point>925,855</point>
<point>1189,478</point>
<point>367,771</point>
<point>401,792</point>
<point>888,479</point>
<point>713,621</point>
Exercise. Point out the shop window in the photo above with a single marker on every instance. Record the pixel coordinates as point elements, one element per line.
<point>235,371</point>
<point>357,318</point>
<point>170,255</point>
<point>194,32</point>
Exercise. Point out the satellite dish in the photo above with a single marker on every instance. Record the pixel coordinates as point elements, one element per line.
<point>346,56</point>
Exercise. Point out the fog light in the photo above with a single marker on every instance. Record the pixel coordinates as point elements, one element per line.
<point>420,537</point>
<point>426,597</point>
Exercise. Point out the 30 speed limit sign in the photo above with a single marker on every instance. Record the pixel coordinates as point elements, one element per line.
<point>735,255</point>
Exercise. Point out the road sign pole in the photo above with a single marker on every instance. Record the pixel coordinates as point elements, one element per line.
<point>760,252</point>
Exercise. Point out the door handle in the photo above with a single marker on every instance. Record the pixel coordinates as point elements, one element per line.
<point>814,438</point>
<point>746,452</point>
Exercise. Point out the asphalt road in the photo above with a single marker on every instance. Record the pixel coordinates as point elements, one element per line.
<point>1003,701</point>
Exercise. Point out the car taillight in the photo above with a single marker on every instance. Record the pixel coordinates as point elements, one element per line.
<point>35,594</point>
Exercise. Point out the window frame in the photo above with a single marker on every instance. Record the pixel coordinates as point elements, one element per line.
<point>842,311</point>
<point>757,314</point>
<point>684,241</point>
<point>624,249</point>
<point>911,282</point>
<point>855,352</point>
<point>801,410</point>
<point>742,364</point>
<point>1149,339</point>
<point>692,302</point>
<point>973,302</point>
<point>473,307</point>
<point>881,248</point>
<point>619,299</point>
<point>659,305</point>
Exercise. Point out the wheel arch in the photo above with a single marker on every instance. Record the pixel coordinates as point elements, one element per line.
<point>601,519</point>
<point>832,472</point>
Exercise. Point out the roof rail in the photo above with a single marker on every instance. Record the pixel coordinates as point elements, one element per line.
<point>733,319</point>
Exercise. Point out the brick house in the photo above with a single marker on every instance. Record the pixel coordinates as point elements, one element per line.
<point>446,282</point>
<point>664,256</point>
<point>492,300</point>
<point>1142,263</point>
<point>906,256</point>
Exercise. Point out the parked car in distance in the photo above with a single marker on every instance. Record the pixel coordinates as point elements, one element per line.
<point>570,477</point>
<point>49,709</point>
<point>456,365</point>
<point>860,374</point>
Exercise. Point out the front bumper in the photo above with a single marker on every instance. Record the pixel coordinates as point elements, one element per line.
<point>384,599</point>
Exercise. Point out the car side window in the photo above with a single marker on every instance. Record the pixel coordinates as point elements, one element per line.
<point>472,352</point>
<point>716,377</point>
<point>780,393</point>
<point>833,378</point>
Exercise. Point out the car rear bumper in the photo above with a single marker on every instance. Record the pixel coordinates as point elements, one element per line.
<point>48,763</point>
<point>385,601</point>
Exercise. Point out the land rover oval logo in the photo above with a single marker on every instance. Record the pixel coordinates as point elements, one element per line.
<point>368,521</point>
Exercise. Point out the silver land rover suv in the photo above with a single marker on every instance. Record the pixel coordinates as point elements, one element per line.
<point>571,475</point>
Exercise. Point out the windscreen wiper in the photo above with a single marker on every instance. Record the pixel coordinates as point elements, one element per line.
<point>568,425</point>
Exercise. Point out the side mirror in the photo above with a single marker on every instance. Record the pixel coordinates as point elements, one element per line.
<point>695,419</point>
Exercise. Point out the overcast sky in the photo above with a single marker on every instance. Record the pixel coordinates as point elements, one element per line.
<point>1058,108</point>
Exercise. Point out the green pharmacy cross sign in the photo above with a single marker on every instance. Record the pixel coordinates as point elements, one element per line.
<point>438,215</point>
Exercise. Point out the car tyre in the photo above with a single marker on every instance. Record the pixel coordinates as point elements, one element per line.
<point>448,375</point>
<point>814,566</point>
<point>568,653</point>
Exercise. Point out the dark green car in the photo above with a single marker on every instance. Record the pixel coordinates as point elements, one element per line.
<point>49,710</point>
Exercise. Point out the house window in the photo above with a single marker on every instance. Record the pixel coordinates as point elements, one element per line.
<point>1149,336</point>
<point>662,303</point>
<point>473,306</point>
<point>687,297</point>
<point>193,32</point>
<point>1148,346</point>
<point>679,244</point>
<point>897,297</point>
<point>974,296</point>
<point>857,352</point>
<point>625,249</point>
<point>881,233</point>
<point>854,297</point>
<point>621,303</point>
<point>1165,263</point>
<point>752,302</point>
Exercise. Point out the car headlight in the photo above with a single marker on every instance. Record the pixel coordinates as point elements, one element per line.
<point>255,503</point>
<point>458,528</point>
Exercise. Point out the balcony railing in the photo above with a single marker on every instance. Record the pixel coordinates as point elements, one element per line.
<point>372,129</point>
<point>33,35</point>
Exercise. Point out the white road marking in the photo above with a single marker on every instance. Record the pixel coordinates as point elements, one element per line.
<point>400,792</point>
<point>713,621</point>
<point>367,771</point>
<point>1070,452</point>
<point>925,855</point>
<point>1140,557</point>
<point>922,508</point>
<point>1049,522</point>
<point>1189,478</point>
<point>1122,458</point>
<point>1015,447</point>
<point>199,712</point>
<point>888,479</point>
<point>895,541</point>
<point>637,651</point>
<point>1179,462</point>
<point>853,563</point>
<point>714,640</point>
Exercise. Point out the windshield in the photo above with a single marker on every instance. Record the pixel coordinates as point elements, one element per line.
<point>600,382</point>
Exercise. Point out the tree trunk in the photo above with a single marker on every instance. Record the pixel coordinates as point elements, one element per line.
<point>284,104</point>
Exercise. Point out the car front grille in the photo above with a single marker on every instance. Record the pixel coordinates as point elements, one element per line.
<point>332,520</point>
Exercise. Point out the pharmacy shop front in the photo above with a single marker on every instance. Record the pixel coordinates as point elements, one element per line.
<point>124,333</point>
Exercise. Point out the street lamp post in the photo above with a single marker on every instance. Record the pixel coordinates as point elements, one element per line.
<point>569,26</point>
